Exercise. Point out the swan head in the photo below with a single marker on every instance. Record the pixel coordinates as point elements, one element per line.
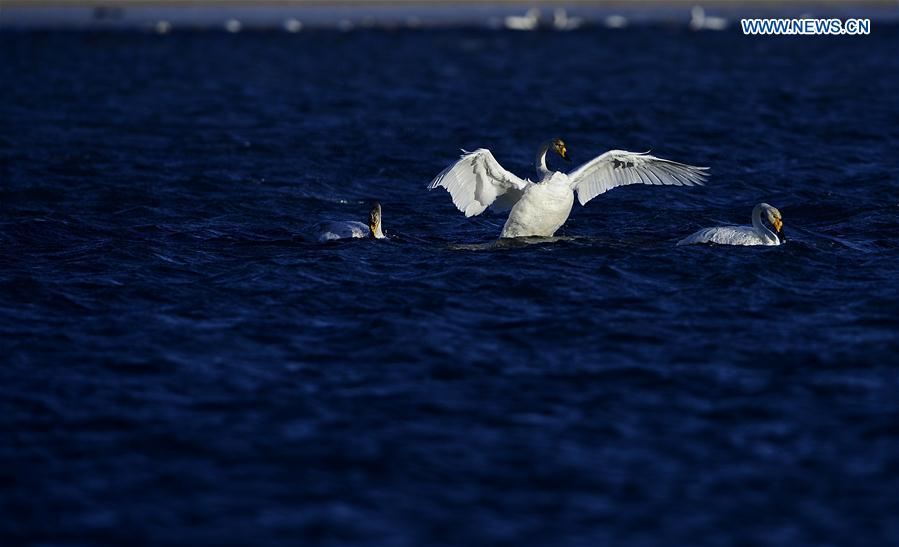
<point>374,221</point>
<point>558,145</point>
<point>776,220</point>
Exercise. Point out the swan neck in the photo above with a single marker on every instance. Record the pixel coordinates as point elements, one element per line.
<point>541,158</point>
<point>760,227</point>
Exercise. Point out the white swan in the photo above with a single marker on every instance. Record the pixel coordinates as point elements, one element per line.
<point>700,21</point>
<point>561,20</point>
<point>330,231</point>
<point>758,234</point>
<point>615,21</point>
<point>477,181</point>
<point>528,21</point>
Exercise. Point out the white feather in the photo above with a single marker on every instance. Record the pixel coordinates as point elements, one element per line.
<point>476,181</point>
<point>619,168</point>
<point>757,234</point>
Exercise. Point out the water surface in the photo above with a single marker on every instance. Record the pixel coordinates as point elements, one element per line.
<point>181,366</point>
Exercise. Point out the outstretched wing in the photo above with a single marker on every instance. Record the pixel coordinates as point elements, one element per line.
<point>618,168</point>
<point>477,180</point>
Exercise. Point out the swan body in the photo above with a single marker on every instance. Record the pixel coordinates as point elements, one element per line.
<point>757,234</point>
<point>615,21</point>
<point>561,20</point>
<point>700,21</point>
<point>477,181</point>
<point>542,209</point>
<point>528,21</point>
<point>332,231</point>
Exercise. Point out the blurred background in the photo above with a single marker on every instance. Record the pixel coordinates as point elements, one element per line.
<point>293,15</point>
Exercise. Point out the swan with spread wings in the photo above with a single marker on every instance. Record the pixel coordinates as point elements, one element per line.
<point>477,181</point>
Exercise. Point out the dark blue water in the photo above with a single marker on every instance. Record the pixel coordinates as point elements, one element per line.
<point>180,366</point>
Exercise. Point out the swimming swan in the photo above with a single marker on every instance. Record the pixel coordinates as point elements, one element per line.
<point>758,234</point>
<point>330,231</point>
<point>478,181</point>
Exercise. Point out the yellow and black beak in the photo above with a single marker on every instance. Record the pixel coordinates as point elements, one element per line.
<point>779,228</point>
<point>564,153</point>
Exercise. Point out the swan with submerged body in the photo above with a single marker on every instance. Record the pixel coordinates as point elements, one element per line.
<point>477,181</point>
<point>331,231</point>
<point>757,234</point>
